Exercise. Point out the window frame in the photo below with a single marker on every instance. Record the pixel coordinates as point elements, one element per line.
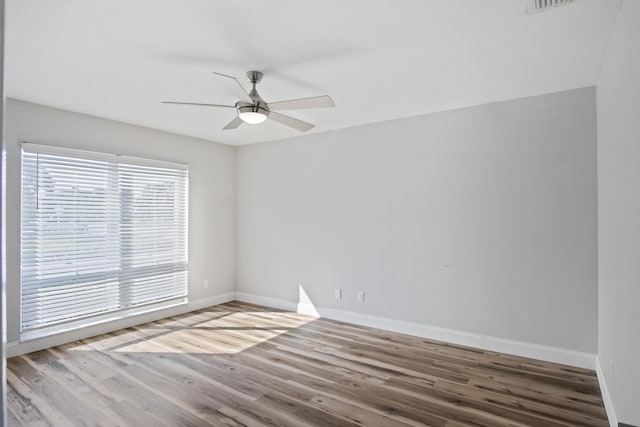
<point>122,312</point>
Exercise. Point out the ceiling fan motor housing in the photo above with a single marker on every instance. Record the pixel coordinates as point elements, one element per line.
<point>257,107</point>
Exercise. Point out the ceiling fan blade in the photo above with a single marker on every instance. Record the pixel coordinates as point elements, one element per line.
<point>323,101</point>
<point>198,104</point>
<point>290,121</point>
<point>233,124</point>
<point>240,92</point>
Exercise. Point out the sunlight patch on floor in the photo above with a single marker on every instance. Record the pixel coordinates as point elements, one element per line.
<point>204,332</point>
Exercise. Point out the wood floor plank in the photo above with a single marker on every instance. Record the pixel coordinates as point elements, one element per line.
<point>12,420</point>
<point>239,364</point>
<point>518,404</point>
<point>46,408</point>
<point>356,414</point>
<point>77,404</point>
<point>21,410</point>
<point>558,397</point>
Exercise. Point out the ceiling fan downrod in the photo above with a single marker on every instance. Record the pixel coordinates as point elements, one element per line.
<point>258,110</point>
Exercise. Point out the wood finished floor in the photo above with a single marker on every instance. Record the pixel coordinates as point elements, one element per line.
<point>238,364</point>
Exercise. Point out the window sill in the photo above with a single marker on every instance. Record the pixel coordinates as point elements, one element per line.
<point>61,328</point>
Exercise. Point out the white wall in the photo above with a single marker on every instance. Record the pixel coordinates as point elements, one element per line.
<point>211,197</point>
<point>480,220</point>
<point>618,95</point>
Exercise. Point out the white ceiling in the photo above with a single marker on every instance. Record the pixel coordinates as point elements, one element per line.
<point>379,60</point>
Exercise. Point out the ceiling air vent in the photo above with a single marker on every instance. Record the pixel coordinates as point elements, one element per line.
<point>535,6</point>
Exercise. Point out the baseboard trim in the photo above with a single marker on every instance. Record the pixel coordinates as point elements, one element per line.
<point>18,348</point>
<point>606,397</point>
<point>517,348</point>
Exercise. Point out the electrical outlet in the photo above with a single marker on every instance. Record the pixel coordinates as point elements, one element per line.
<point>205,283</point>
<point>360,296</point>
<point>337,293</point>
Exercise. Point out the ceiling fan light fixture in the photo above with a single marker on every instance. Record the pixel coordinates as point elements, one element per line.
<point>252,117</point>
<point>252,114</point>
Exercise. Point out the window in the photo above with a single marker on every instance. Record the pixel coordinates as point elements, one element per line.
<point>102,236</point>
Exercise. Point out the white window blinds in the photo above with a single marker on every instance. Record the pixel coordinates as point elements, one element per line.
<point>100,234</point>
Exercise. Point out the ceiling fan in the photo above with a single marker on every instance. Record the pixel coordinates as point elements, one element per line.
<point>252,109</point>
